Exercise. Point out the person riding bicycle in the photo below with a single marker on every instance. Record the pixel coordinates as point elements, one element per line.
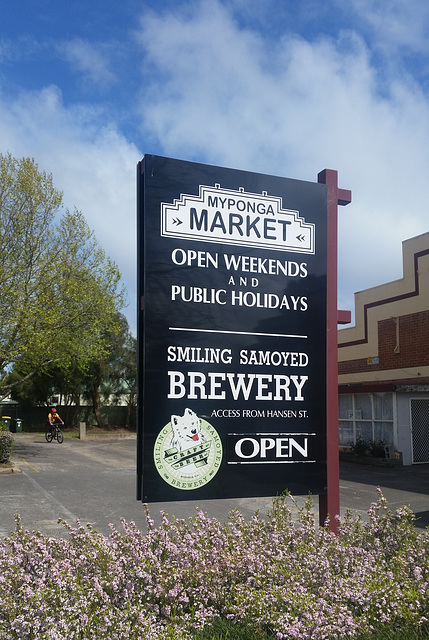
<point>53,418</point>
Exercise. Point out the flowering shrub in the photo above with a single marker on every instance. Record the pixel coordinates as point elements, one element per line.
<point>6,442</point>
<point>282,574</point>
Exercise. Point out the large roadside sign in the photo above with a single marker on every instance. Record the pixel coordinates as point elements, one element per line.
<point>232,333</point>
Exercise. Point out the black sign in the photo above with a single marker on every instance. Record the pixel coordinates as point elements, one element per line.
<point>232,333</point>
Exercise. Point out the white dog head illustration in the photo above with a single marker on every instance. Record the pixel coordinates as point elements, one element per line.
<point>186,430</point>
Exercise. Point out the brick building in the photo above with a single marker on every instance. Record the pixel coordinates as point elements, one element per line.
<point>383,366</point>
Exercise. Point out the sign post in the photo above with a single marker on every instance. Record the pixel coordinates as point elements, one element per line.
<point>233,323</point>
<point>329,502</point>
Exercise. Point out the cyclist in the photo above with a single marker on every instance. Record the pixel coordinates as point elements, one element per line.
<point>53,418</point>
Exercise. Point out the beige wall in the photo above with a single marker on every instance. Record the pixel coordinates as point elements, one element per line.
<point>401,306</point>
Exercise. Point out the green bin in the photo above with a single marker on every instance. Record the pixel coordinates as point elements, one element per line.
<point>18,425</point>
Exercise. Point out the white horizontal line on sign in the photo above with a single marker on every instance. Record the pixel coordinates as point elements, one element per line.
<point>275,462</point>
<point>239,333</point>
<point>273,434</point>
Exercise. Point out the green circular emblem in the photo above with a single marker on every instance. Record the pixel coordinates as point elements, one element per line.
<point>188,452</point>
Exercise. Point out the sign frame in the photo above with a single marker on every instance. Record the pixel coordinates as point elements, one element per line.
<point>210,236</point>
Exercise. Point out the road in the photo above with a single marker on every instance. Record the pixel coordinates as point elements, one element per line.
<point>95,481</point>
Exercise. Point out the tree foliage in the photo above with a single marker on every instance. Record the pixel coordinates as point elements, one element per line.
<point>109,379</point>
<point>59,291</point>
<point>113,379</point>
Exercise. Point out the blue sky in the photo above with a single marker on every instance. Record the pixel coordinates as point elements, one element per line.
<point>288,87</point>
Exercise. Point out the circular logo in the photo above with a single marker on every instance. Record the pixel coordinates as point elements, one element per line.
<point>188,452</point>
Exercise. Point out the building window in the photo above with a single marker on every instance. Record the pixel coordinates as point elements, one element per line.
<point>366,416</point>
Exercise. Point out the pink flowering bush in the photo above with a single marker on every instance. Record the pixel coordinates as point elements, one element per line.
<point>6,443</point>
<point>281,574</point>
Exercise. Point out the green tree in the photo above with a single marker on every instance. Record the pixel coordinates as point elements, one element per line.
<point>59,292</point>
<point>120,379</point>
<point>53,384</point>
<point>112,377</point>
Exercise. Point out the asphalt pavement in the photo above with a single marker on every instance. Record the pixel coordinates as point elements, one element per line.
<point>94,481</point>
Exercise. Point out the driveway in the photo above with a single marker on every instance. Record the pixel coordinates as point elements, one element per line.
<point>94,481</point>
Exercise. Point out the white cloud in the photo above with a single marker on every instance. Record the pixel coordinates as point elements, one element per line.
<point>217,92</point>
<point>232,97</point>
<point>395,23</point>
<point>89,60</point>
<point>92,163</point>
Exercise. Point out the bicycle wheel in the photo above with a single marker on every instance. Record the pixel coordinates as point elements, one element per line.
<point>48,436</point>
<point>60,436</point>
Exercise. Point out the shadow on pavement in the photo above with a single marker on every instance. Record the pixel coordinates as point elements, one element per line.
<point>422,519</point>
<point>414,478</point>
<point>34,448</point>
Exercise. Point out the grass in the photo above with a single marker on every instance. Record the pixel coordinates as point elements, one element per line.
<point>226,630</point>
<point>68,433</point>
<point>73,432</point>
<point>402,633</point>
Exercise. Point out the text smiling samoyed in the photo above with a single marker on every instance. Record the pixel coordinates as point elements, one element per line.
<point>186,431</point>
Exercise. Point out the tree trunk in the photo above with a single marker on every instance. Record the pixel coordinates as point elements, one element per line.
<point>95,397</point>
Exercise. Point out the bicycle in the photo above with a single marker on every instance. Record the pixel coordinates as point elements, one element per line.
<point>54,433</point>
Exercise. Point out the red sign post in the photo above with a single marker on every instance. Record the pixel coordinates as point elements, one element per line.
<point>329,503</point>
